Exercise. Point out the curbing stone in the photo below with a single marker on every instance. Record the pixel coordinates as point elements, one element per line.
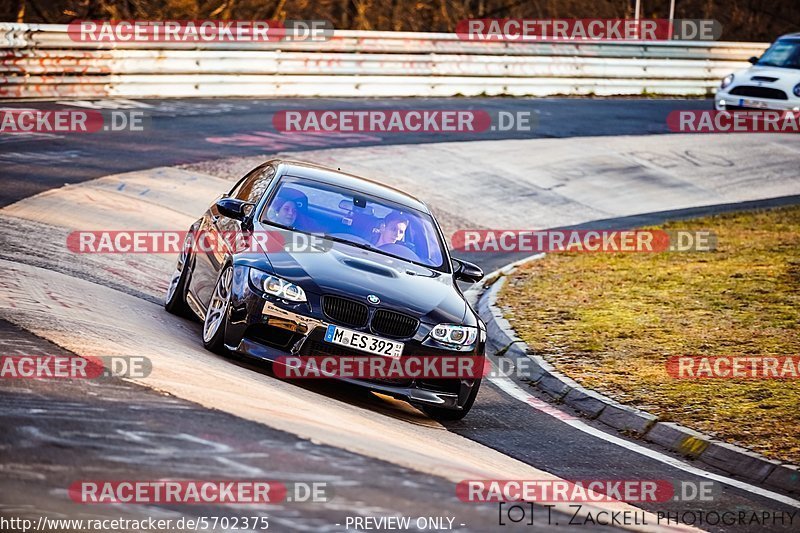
<point>687,442</point>
<point>540,362</point>
<point>486,302</point>
<point>498,329</point>
<point>586,401</point>
<point>739,461</point>
<point>484,305</point>
<point>535,367</point>
<point>495,332</point>
<point>555,384</point>
<point>627,418</point>
<point>785,477</point>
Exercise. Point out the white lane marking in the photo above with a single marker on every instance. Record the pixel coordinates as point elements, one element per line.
<point>515,391</point>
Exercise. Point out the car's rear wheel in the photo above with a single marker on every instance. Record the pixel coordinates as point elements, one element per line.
<point>175,302</point>
<point>440,413</point>
<point>217,313</point>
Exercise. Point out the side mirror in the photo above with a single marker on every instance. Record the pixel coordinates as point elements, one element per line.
<point>753,60</point>
<point>233,208</point>
<point>466,271</point>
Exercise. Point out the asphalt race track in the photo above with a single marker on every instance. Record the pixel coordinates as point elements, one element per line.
<point>601,162</point>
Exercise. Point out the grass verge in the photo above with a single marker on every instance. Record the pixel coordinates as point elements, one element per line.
<point>610,321</point>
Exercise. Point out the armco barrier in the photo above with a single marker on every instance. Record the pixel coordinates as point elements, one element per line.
<point>41,61</point>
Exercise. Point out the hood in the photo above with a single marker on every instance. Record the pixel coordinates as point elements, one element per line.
<point>774,72</point>
<point>784,78</point>
<point>356,273</point>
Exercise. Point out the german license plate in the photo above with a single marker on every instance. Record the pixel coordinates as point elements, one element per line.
<point>363,342</point>
<point>743,102</point>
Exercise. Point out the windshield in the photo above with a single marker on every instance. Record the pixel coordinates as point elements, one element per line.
<point>783,53</point>
<point>349,216</point>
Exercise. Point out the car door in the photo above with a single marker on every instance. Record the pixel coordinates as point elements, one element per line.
<point>209,259</point>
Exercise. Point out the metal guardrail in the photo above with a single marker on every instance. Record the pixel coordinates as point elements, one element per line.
<point>41,61</point>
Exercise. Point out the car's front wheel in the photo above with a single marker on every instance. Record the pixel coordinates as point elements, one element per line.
<point>440,413</point>
<point>217,313</point>
<point>175,302</point>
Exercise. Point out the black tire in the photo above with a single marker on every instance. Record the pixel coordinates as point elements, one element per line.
<point>214,336</point>
<point>175,302</point>
<point>440,413</point>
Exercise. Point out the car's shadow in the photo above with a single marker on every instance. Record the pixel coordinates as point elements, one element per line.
<point>344,392</point>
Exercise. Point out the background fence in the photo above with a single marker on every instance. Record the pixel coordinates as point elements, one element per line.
<point>41,61</point>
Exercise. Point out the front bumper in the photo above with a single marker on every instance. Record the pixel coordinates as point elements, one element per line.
<point>260,327</point>
<point>724,101</point>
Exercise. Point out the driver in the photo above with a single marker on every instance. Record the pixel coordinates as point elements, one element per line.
<point>392,229</point>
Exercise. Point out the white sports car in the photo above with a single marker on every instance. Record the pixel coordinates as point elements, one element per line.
<point>773,82</point>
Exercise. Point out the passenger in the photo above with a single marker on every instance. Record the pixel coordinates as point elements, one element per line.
<point>286,212</point>
<point>287,207</point>
<point>392,229</point>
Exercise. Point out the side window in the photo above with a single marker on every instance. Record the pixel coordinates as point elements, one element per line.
<point>252,186</point>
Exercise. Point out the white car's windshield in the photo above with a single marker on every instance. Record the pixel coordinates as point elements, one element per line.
<point>784,53</point>
<point>358,219</point>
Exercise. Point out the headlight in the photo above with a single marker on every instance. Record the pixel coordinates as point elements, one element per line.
<point>796,90</point>
<point>278,287</point>
<point>727,80</point>
<point>453,334</point>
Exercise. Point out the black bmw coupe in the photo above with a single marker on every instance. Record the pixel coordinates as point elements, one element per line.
<point>360,269</point>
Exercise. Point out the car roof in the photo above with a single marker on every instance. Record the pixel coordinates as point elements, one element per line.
<point>302,169</point>
<point>795,35</point>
